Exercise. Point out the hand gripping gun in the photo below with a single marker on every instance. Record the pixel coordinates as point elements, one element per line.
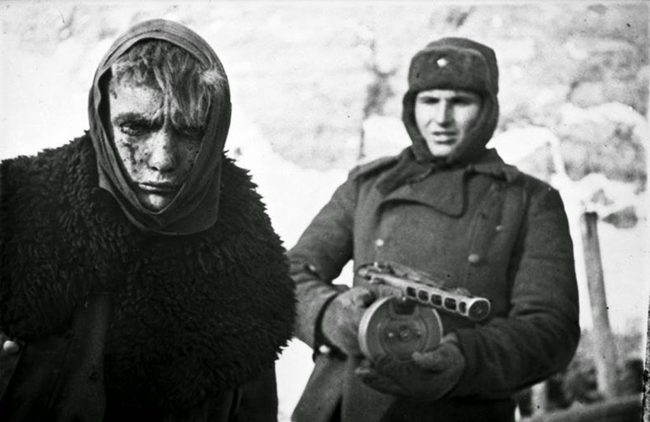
<point>406,320</point>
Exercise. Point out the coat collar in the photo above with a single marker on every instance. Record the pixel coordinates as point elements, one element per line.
<point>76,240</point>
<point>445,191</point>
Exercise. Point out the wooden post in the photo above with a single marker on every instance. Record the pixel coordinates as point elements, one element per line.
<point>539,398</point>
<point>605,355</point>
<point>646,259</point>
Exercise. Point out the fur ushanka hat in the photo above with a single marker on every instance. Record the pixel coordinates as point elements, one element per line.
<point>454,63</point>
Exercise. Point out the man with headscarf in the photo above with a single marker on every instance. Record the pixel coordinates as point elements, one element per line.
<point>141,277</point>
<point>449,207</point>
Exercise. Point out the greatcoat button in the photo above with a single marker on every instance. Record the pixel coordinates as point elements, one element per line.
<point>10,347</point>
<point>324,349</point>
<point>499,228</point>
<point>379,243</point>
<point>473,258</point>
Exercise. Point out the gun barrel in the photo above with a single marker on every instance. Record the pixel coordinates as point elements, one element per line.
<point>473,308</point>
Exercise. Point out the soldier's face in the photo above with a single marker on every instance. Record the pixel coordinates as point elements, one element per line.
<point>157,155</point>
<point>445,117</point>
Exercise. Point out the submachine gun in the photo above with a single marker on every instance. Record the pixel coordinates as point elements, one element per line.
<point>406,320</point>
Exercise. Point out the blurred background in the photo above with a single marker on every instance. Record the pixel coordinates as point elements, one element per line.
<point>317,89</point>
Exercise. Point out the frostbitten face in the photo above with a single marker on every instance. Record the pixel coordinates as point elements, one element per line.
<point>445,117</point>
<point>157,153</point>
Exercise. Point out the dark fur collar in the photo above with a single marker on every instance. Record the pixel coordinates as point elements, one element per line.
<point>202,313</point>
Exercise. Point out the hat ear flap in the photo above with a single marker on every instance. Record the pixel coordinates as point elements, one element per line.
<point>419,144</point>
<point>480,133</point>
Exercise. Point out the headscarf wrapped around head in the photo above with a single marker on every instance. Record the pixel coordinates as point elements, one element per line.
<point>195,207</point>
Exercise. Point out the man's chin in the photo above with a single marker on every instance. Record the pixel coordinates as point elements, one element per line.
<point>155,202</point>
<point>441,151</point>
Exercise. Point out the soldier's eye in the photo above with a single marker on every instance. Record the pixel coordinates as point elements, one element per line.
<point>428,100</point>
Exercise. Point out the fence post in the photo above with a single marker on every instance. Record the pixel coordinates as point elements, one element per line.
<point>606,358</point>
<point>539,398</point>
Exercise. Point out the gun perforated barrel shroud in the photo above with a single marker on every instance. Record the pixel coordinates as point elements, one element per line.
<point>426,292</point>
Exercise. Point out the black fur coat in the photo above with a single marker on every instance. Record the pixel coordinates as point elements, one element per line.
<point>192,315</point>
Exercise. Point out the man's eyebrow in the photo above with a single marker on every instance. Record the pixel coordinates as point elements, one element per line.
<point>466,94</point>
<point>132,116</point>
<point>428,97</point>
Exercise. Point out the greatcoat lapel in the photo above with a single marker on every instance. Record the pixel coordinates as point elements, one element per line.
<point>445,191</point>
<point>442,191</point>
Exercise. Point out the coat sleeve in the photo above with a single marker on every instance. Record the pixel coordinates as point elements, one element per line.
<point>318,258</point>
<point>541,332</point>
